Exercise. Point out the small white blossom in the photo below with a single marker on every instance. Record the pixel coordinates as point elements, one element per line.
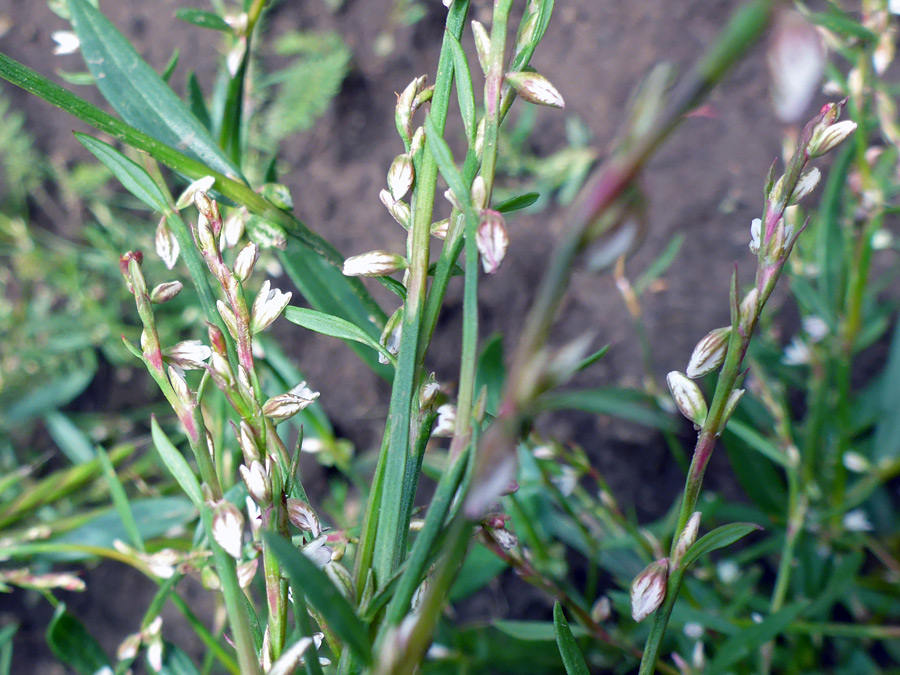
<point>816,327</point>
<point>268,306</point>
<point>857,521</point>
<point>446,422</point>
<point>188,355</point>
<point>797,353</point>
<point>66,41</point>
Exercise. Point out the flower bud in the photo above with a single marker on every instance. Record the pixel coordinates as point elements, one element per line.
<point>455,202</point>
<point>303,517</point>
<point>247,442</point>
<point>188,355</point>
<point>482,44</point>
<point>182,391</point>
<point>228,528</point>
<point>492,240</point>
<point>258,484</point>
<point>400,176</point>
<point>398,209</point>
<point>206,238</point>
<point>266,233</point>
<point>246,571</point>
<point>287,405</point>
<point>686,539</point>
<point>428,392</point>
<point>709,353</point>
<point>601,610</point>
<point>440,229</point>
<point>807,183</point>
<point>200,185</point>
<point>730,405</point>
<point>268,306</point>
<point>535,88</point>
<point>390,336</point>
<point>830,138</point>
<point>340,577</point>
<point>417,142</point>
<point>233,227</point>
<point>648,590</point>
<point>228,318</point>
<point>479,193</point>
<point>688,397</point>
<point>749,307</point>
<point>165,292</point>
<point>855,462</point>
<point>374,264</point>
<point>479,137</point>
<point>246,261</point>
<point>166,244</point>
<point>278,194</point>
<point>209,209</point>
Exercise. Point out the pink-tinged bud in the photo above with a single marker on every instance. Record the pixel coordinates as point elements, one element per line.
<point>390,336</point>
<point>709,353</point>
<point>479,193</point>
<point>830,138</point>
<point>200,185</point>
<point>686,539</point>
<point>228,528</point>
<point>440,229</point>
<point>796,59</point>
<point>209,209</point>
<point>601,610</point>
<point>246,261</point>
<point>258,484</point>
<point>130,264</point>
<point>648,590</point>
<point>535,88</point>
<point>303,517</point>
<point>492,240</point>
<point>267,307</point>
<point>167,247</point>
<point>688,397</point>
<point>807,183</point>
<point>246,571</point>
<point>482,44</point>
<point>128,648</point>
<point>165,292</point>
<point>446,421</point>
<point>182,391</point>
<point>400,176</point>
<point>217,340</point>
<point>228,318</point>
<point>374,264</point>
<point>287,405</point>
<point>244,386</point>
<point>398,209</point>
<point>206,238</point>
<point>278,194</point>
<point>188,355</point>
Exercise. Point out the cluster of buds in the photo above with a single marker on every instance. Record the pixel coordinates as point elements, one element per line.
<point>151,638</point>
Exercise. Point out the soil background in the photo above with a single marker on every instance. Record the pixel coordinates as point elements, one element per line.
<point>705,183</point>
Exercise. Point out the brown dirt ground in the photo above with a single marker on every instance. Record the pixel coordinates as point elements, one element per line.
<point>705,183</point>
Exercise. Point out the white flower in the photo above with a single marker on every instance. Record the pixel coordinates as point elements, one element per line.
<point>228,529</point>
<point>816,327</point>
<point>446,422</point>
<point>189,354</point>
<point>66,41</point>
<point>755,229</point>
<point>857,521</point>
<point>797,353</point>
<point>268,306</point>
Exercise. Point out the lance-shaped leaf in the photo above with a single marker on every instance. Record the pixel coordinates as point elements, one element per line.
<point>333,326</point>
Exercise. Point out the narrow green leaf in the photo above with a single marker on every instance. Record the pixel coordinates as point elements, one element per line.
<point>196,100</point>
<point>333,326</point>
<point>444,160</point>
<point>53,394</point>
<point>137,93</point>
<point>756,441</point>
<point>568,648</point>
<point>532,631</point>
<point>130,174</point>
<point>120,500</point>
<point>721,537</point>
<point>517,203</point>
<point>613,401</point>
<point>308,579</point>
<point>70,439</point>
<point>170,66</point>
<point>749,640</point>
<point>176,464</point>
<point>203,19</point>
<point>659,266</point>
<point>6,647</point>
<point>464,90</point>
<point>72,644</point>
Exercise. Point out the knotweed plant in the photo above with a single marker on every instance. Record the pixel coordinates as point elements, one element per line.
<point>303,586</point>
